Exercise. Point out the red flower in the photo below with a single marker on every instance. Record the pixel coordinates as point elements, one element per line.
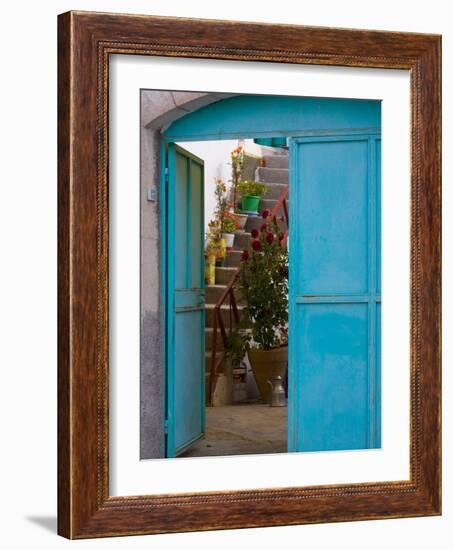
<point>255,233</point>
<point>265,213</point>
<point>281,236</point>
<point>270,238</point>
<point>245,255</point>
<point>256,245</point>
<point>263,227</point>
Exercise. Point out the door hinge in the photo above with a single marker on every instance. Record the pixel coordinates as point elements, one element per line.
<point>165,426</point>
<point>166,174</point>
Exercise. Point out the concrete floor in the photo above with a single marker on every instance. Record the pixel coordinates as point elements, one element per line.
<point>242,429</point>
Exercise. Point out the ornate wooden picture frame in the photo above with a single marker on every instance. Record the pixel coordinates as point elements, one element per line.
<point>85,507</point>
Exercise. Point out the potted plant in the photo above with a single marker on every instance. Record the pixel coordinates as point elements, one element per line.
<point>237,168</point>
<point>251,192</point>
<point>215,245</point>
<point>228,229</point>
<point>241,220</point>
<point>217,227</point>
<point>263,283</point>
<point>235,349</point>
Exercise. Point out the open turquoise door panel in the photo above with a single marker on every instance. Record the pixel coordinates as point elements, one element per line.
<point>185,355</point>
<point>334,296</point>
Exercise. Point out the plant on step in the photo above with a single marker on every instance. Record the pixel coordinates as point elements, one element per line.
<point>251,188</point>
<point>221,199</point>
<point>215,226</point>
<point>215,245</point>
<point>237,167</point>
<point>236,345</point>
<point>263,283</point>
<point>229,224</point>
<point>213,232</point>
<point>251,192</point>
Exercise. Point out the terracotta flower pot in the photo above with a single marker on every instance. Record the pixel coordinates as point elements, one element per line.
<point>266,365</point>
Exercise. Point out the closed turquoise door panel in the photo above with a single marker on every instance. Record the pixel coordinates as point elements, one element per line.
<point>185,301</point>
<point>334,321</point>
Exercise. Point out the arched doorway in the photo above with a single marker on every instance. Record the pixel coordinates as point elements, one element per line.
<point>334,290</point>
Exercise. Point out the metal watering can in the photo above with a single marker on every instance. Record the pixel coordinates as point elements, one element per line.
<point>277,396</point>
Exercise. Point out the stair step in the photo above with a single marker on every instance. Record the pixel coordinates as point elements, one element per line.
<point>224,311</point>
<point>268,204</point>
<point>254,222</point>
<point>271,175</point>
<point>242,240</point>
<point>257,222</point>
<point>233,258</point>
<point>214,292</point>
<point>223,275</point>
<point>274,190</point>
<point>276,161</point>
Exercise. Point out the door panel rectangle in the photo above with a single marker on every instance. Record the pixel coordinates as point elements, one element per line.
<point>332,212</point>
<point>196,242</point>
<point>331,381</point>
<point>181,219</point>
<point>188,386</point>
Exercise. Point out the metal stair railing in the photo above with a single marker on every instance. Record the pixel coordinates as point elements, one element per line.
<point>233,312</point>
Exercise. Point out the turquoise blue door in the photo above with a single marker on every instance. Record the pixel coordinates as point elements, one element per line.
<point>185,294</point>
<point>334,301</point>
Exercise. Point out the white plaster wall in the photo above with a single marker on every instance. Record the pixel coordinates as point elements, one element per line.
<point>216,156</point>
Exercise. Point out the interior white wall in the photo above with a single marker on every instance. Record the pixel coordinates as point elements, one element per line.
<point>216,157</point>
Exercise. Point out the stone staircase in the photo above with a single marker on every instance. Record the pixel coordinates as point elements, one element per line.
<point>274,174</point>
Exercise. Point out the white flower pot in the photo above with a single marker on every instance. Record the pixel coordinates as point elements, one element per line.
<point>229,239</point>
<point>241,220</point>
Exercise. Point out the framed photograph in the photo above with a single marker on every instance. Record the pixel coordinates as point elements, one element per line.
<point>249,275</point>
